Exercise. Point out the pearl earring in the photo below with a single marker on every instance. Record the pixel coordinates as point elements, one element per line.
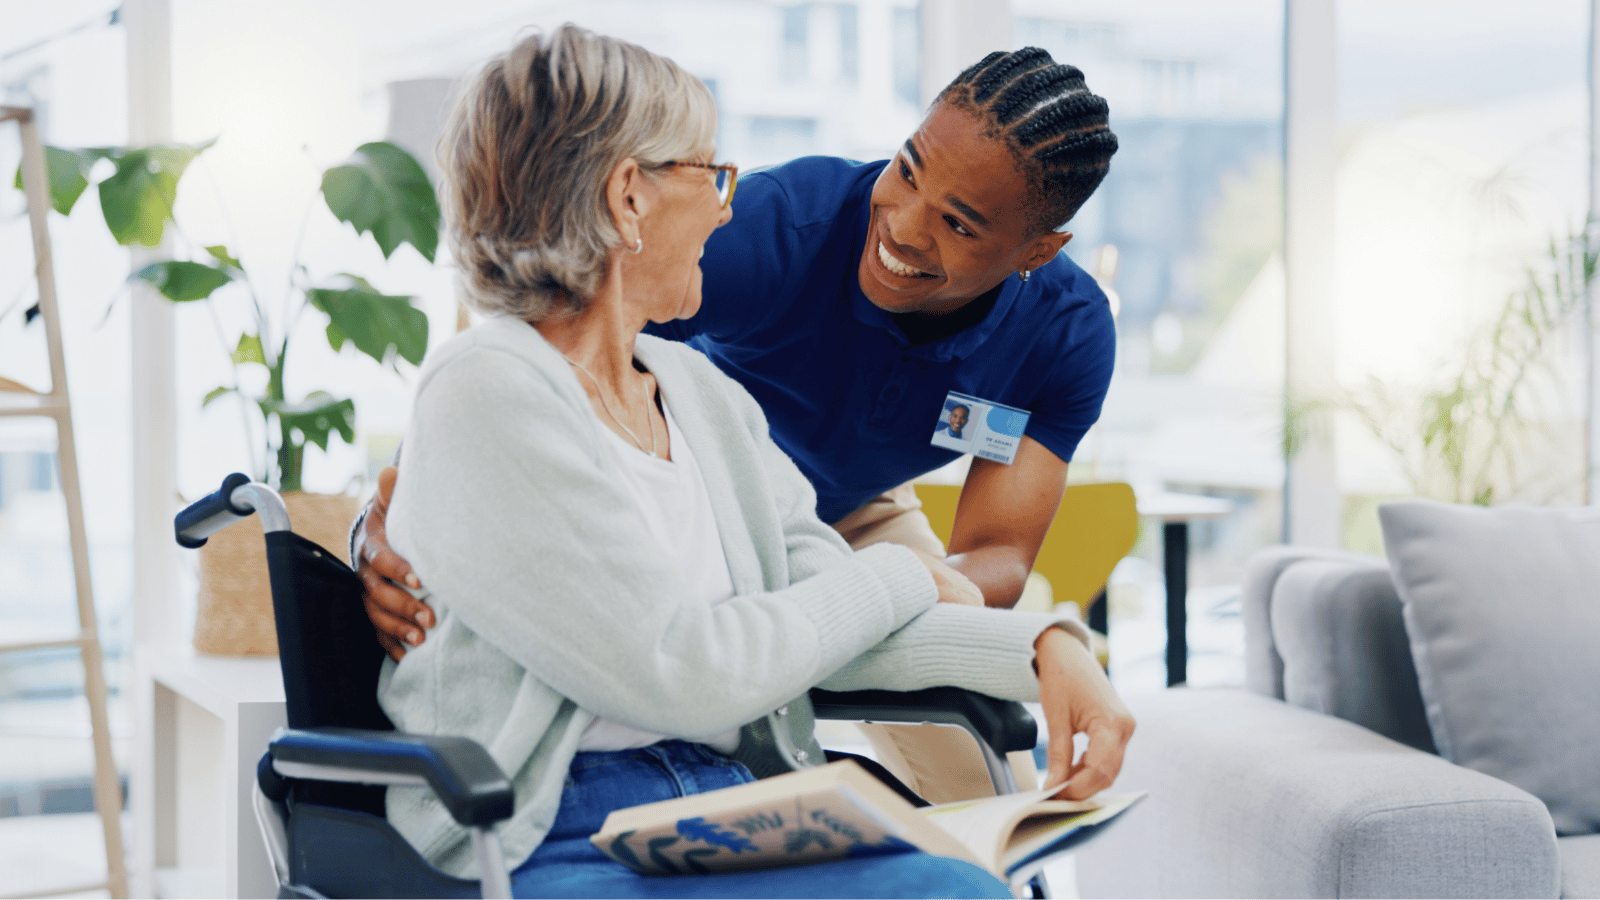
<point>638,246</point>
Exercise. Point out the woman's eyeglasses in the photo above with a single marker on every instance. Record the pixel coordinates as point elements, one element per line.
<point>727,176</point>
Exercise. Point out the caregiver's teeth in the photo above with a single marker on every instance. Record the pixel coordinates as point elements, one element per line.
<point>895,265</point>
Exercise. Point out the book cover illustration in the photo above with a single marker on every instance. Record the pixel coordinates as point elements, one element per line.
<point>810,827</point>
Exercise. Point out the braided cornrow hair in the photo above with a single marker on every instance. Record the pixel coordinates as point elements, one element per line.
<point>1053,125</point>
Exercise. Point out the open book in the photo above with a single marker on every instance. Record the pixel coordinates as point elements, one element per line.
<point>839,810</point>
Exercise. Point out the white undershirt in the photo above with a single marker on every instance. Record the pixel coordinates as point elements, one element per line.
<point>676,510</point>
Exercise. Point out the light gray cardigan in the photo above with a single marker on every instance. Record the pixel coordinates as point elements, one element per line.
<point>556,606</point>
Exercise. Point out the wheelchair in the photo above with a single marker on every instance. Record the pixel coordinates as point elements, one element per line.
<point>319,791</point>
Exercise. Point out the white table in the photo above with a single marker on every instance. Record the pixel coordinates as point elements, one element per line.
<point>206,721</point>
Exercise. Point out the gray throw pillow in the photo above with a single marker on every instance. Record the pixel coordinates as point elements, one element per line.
<point>1502,607</point>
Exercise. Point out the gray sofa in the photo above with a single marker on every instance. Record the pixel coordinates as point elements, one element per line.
<point>1320,778</point>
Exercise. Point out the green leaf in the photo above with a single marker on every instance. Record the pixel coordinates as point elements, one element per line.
<point>317,417</point>
<point>215,393</point>
<point>68,171</point>
<point>249,350</point>
<point>383,190</point>
<point>137,200</point>
<point>183,281</point>
<point>376,323</point>
<point>220,254</point>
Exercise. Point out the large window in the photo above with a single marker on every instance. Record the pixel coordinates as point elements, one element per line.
<point>1186,231</point>
<point>1465,155</point>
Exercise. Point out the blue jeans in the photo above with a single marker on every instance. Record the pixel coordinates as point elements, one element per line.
<point>567,865</point>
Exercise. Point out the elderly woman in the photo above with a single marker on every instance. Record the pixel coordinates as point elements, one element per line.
<point>626,569</point>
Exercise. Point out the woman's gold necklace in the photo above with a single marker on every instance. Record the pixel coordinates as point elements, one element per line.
<point>649,419</point>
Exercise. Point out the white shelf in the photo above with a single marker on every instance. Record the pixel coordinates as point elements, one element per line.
<point>191,883</point>
<point>218,684</point>
<point>207,720</point>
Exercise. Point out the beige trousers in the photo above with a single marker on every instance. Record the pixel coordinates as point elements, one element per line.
<point>939,762</point>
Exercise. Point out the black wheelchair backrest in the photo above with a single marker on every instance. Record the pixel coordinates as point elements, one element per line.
<point>326,646</point>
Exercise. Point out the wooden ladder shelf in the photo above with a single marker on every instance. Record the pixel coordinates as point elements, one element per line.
<point>17,399</point>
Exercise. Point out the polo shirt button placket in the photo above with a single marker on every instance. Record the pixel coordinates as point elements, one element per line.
<point>892,395</point>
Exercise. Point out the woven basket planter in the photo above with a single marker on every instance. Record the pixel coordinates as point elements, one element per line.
<point>234,614</point>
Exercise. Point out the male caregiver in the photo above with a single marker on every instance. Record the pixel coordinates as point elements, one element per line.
<point>859,302</point>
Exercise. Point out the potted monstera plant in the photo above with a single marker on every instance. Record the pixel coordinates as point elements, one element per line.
<point>379,190</point>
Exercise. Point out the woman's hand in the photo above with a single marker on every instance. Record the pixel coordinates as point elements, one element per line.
<point>954,587</point>
<point>1078,699</point>
<point>398,617</point>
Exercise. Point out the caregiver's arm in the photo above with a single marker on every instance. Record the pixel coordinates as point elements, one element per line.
<point>1002,519</point>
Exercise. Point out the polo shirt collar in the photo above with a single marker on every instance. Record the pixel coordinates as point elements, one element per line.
<point>960,345</point>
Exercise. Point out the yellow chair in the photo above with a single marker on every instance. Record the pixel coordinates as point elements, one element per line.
<point>1094,528</point>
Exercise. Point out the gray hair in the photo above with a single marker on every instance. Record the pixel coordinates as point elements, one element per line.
<point>527,152</point>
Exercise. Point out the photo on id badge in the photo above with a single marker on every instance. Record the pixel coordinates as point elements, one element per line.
<point>983,428</point>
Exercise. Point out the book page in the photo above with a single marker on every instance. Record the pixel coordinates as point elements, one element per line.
<point>1039,839</point>
<point>985,826</point>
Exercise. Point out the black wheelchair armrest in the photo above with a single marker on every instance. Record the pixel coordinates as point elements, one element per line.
<point>1003,724</point>
<point>459,770</point>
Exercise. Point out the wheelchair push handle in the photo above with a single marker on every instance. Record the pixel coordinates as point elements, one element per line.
<point>236,499</point>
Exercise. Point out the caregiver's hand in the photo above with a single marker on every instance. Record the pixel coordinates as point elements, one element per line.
<point>398,617</point>
<point>954,587</point>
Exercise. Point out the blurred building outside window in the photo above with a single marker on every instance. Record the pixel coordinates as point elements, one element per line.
<point>1193,209</point>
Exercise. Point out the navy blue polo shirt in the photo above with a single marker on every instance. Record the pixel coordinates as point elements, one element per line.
<point>847,395</point>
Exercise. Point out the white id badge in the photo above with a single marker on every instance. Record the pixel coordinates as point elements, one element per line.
<point>986,429</point>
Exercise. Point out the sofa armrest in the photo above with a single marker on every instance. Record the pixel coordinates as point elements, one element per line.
<point>1250,797</point>
<point>1263,666</point>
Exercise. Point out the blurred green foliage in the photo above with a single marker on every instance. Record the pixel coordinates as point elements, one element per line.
<point>380,190</point>
<point>1483,431</point>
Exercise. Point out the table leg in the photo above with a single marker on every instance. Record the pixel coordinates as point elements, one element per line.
<point>1175,562</point>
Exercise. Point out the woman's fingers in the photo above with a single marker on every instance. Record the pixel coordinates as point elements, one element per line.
<point>1098,767</point>
<point>1059,760</point>
<point>1077,698</point>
